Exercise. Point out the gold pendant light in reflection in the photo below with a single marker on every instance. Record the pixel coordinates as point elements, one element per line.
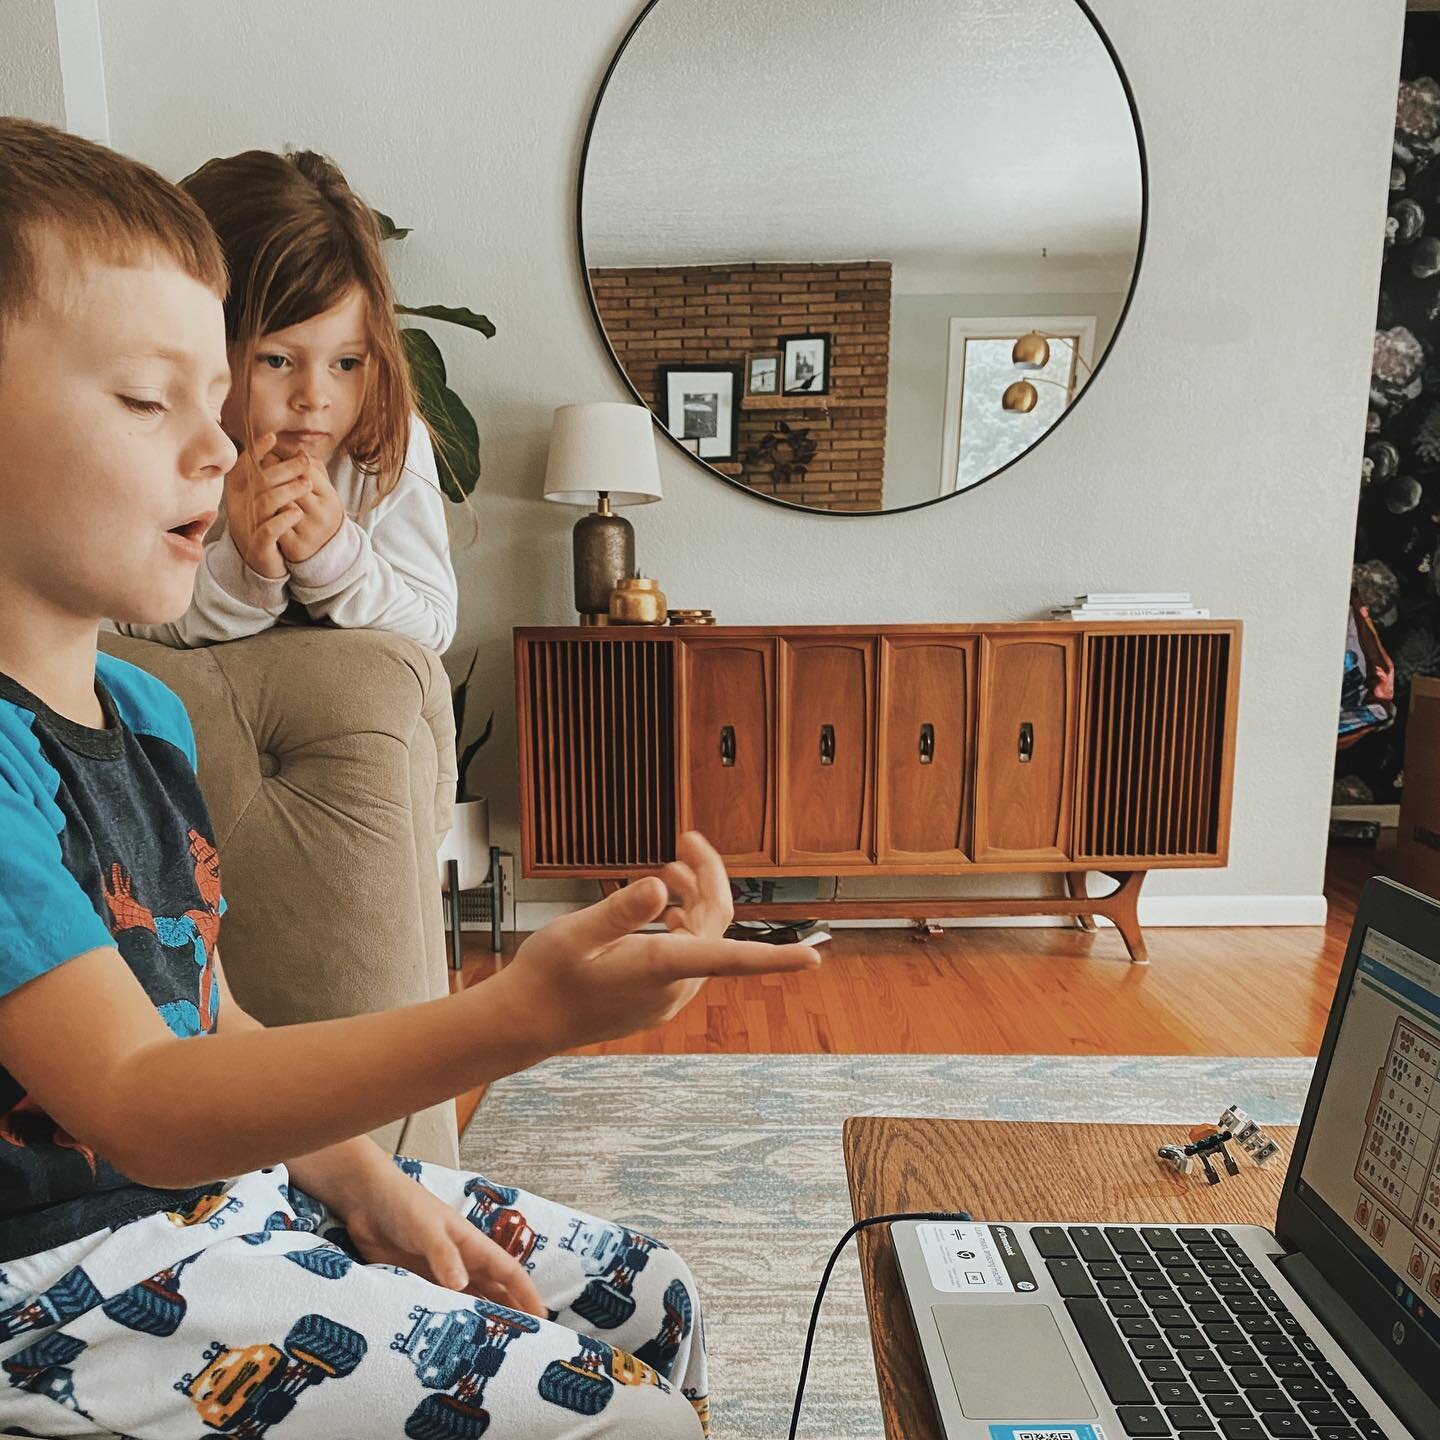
<point>1021,396</point>
<point>1032,352</point>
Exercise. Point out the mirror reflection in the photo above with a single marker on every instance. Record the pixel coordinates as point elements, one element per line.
<point>815,234</point>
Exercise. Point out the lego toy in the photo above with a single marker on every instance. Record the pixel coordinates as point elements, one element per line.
<point>1207,1141</point>
<point>1249,1136</point>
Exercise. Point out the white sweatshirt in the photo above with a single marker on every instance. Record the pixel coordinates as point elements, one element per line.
<point>386,568</point>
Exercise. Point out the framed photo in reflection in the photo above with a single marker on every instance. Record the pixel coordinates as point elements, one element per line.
<point>805,365</point>
<point>700,404</point>
<point>762,373</point>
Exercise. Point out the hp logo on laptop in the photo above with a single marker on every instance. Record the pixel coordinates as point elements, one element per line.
<point>1397,1332</point>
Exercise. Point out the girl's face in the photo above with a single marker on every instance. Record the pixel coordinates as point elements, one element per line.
<point>307,382</point>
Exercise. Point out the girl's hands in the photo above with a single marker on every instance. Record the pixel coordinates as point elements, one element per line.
<point>392,1220</point>
<point>262,495</point>
<point>321,516</point>
<point>586,977</point>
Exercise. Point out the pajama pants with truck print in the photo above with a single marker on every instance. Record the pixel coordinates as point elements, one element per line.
<point>250,1315</point>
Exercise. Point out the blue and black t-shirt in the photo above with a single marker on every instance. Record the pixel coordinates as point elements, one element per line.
<point>104,841</point>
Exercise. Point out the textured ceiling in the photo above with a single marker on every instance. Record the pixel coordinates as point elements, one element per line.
<point>945,135</point>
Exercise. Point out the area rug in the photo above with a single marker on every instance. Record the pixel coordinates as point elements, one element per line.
<point>735,1161</point>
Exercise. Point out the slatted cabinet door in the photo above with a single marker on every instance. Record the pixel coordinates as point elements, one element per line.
<point>827,750</point>
<point>728,735</point>
<point>1026,740</point>
<point>927,749</point>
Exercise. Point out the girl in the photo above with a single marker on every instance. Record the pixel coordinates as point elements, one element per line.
<point>333,512</point>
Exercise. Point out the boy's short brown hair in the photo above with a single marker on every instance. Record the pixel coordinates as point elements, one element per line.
<point>100,204</point>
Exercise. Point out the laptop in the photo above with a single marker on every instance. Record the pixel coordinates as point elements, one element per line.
<point>1326,1328</point>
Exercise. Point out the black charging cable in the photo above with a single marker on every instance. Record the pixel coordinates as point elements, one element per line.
<point>963,1215</point>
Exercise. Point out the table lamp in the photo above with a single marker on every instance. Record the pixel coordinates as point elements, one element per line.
<point>602,454</point>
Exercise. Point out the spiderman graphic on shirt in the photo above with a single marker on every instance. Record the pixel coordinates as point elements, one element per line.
<point>198,928</point>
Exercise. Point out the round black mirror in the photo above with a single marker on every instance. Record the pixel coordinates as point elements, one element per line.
<point>860,258</point>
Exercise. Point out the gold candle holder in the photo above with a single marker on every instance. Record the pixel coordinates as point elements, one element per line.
<point>637,600</point>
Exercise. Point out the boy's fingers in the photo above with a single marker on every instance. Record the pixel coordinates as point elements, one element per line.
<point>686,957</point>
<point>615,917</point>
<point>702,857</point>
<point>679,880</point>
<point>521,1294</point>
<point>704,860</point>
<point>494,1270</point>
<point>446,1263</point>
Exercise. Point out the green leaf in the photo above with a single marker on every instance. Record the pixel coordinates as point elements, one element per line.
<point>426,361</point>
<point>463,767</point>
<point>455,314</point>
<point>457,699</point>
<point>457,437</point>
<point>389,230</point>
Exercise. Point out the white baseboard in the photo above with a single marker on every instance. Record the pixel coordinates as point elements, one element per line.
<point>1387,815</point>
<point>1161,910</point>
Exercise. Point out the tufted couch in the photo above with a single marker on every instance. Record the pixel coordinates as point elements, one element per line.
<point>327,759</point>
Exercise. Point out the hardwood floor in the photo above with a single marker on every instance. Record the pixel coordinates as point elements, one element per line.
<point>1241,991</point>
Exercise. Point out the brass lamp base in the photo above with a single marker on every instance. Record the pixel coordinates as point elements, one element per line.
<point>604,554</point>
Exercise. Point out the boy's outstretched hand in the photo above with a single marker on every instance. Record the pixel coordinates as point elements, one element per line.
<point>589,977</point>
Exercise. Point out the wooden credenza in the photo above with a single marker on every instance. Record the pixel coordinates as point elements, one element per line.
<point>915,750</point>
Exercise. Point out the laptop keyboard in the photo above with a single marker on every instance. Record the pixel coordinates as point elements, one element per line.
<point>1189,1340</point>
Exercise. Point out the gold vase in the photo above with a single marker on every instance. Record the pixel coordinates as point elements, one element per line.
<point>637,600</point>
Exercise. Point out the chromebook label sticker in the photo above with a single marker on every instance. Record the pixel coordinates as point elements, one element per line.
<point>1048,1431</point>
<point>975,1260</point>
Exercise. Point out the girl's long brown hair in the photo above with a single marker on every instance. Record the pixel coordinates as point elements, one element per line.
<point>297,238</point>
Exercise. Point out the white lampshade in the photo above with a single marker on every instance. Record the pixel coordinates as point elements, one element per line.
<point>606,446</point>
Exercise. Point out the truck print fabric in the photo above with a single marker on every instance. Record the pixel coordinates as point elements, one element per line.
<point>249,1314</point>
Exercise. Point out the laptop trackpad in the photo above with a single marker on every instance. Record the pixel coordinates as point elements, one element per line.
<point>1010,1362</point>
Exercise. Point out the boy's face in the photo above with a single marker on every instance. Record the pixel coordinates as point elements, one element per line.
<point>113,458</point>
<point>307,382</point>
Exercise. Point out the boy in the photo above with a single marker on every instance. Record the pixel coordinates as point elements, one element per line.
<point>145,1292</point>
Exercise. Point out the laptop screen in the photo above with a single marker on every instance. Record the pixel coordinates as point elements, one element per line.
<point>1374,1154</point>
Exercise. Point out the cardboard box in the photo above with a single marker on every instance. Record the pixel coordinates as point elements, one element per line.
<point>1417,846</point>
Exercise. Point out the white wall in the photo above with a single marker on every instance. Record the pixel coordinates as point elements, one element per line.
<point>30,82</point>
<point>1219,451</point>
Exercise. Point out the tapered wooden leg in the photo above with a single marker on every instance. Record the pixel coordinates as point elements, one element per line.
<point>497,899</point>
<point>609,887</point>
<point>1122,908</point>
<point>452,871</point>
<point>1075,883</point>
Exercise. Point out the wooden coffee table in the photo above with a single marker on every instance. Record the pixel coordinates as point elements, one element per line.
<point>1014,1170</point>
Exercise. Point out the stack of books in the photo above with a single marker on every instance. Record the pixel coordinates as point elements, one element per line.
<point>1133,605</point>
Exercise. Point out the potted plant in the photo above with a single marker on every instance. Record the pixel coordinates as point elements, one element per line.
<point>456,435</point>
<point>467,845</point>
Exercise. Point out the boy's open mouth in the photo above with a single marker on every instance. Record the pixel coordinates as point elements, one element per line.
<point>194,529</point>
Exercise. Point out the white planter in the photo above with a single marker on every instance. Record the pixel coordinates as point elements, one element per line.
<point>469,843</point>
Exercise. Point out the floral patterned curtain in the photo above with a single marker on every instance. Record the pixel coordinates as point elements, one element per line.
<point>1397,540</point>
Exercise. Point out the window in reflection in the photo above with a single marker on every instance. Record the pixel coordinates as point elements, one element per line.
<point>980,435</point>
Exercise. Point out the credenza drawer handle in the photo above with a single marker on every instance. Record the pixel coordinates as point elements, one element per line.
<point>727,745</point>
<point>927,744</point>
<point>827,744</point>
<point>1027,742</point>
